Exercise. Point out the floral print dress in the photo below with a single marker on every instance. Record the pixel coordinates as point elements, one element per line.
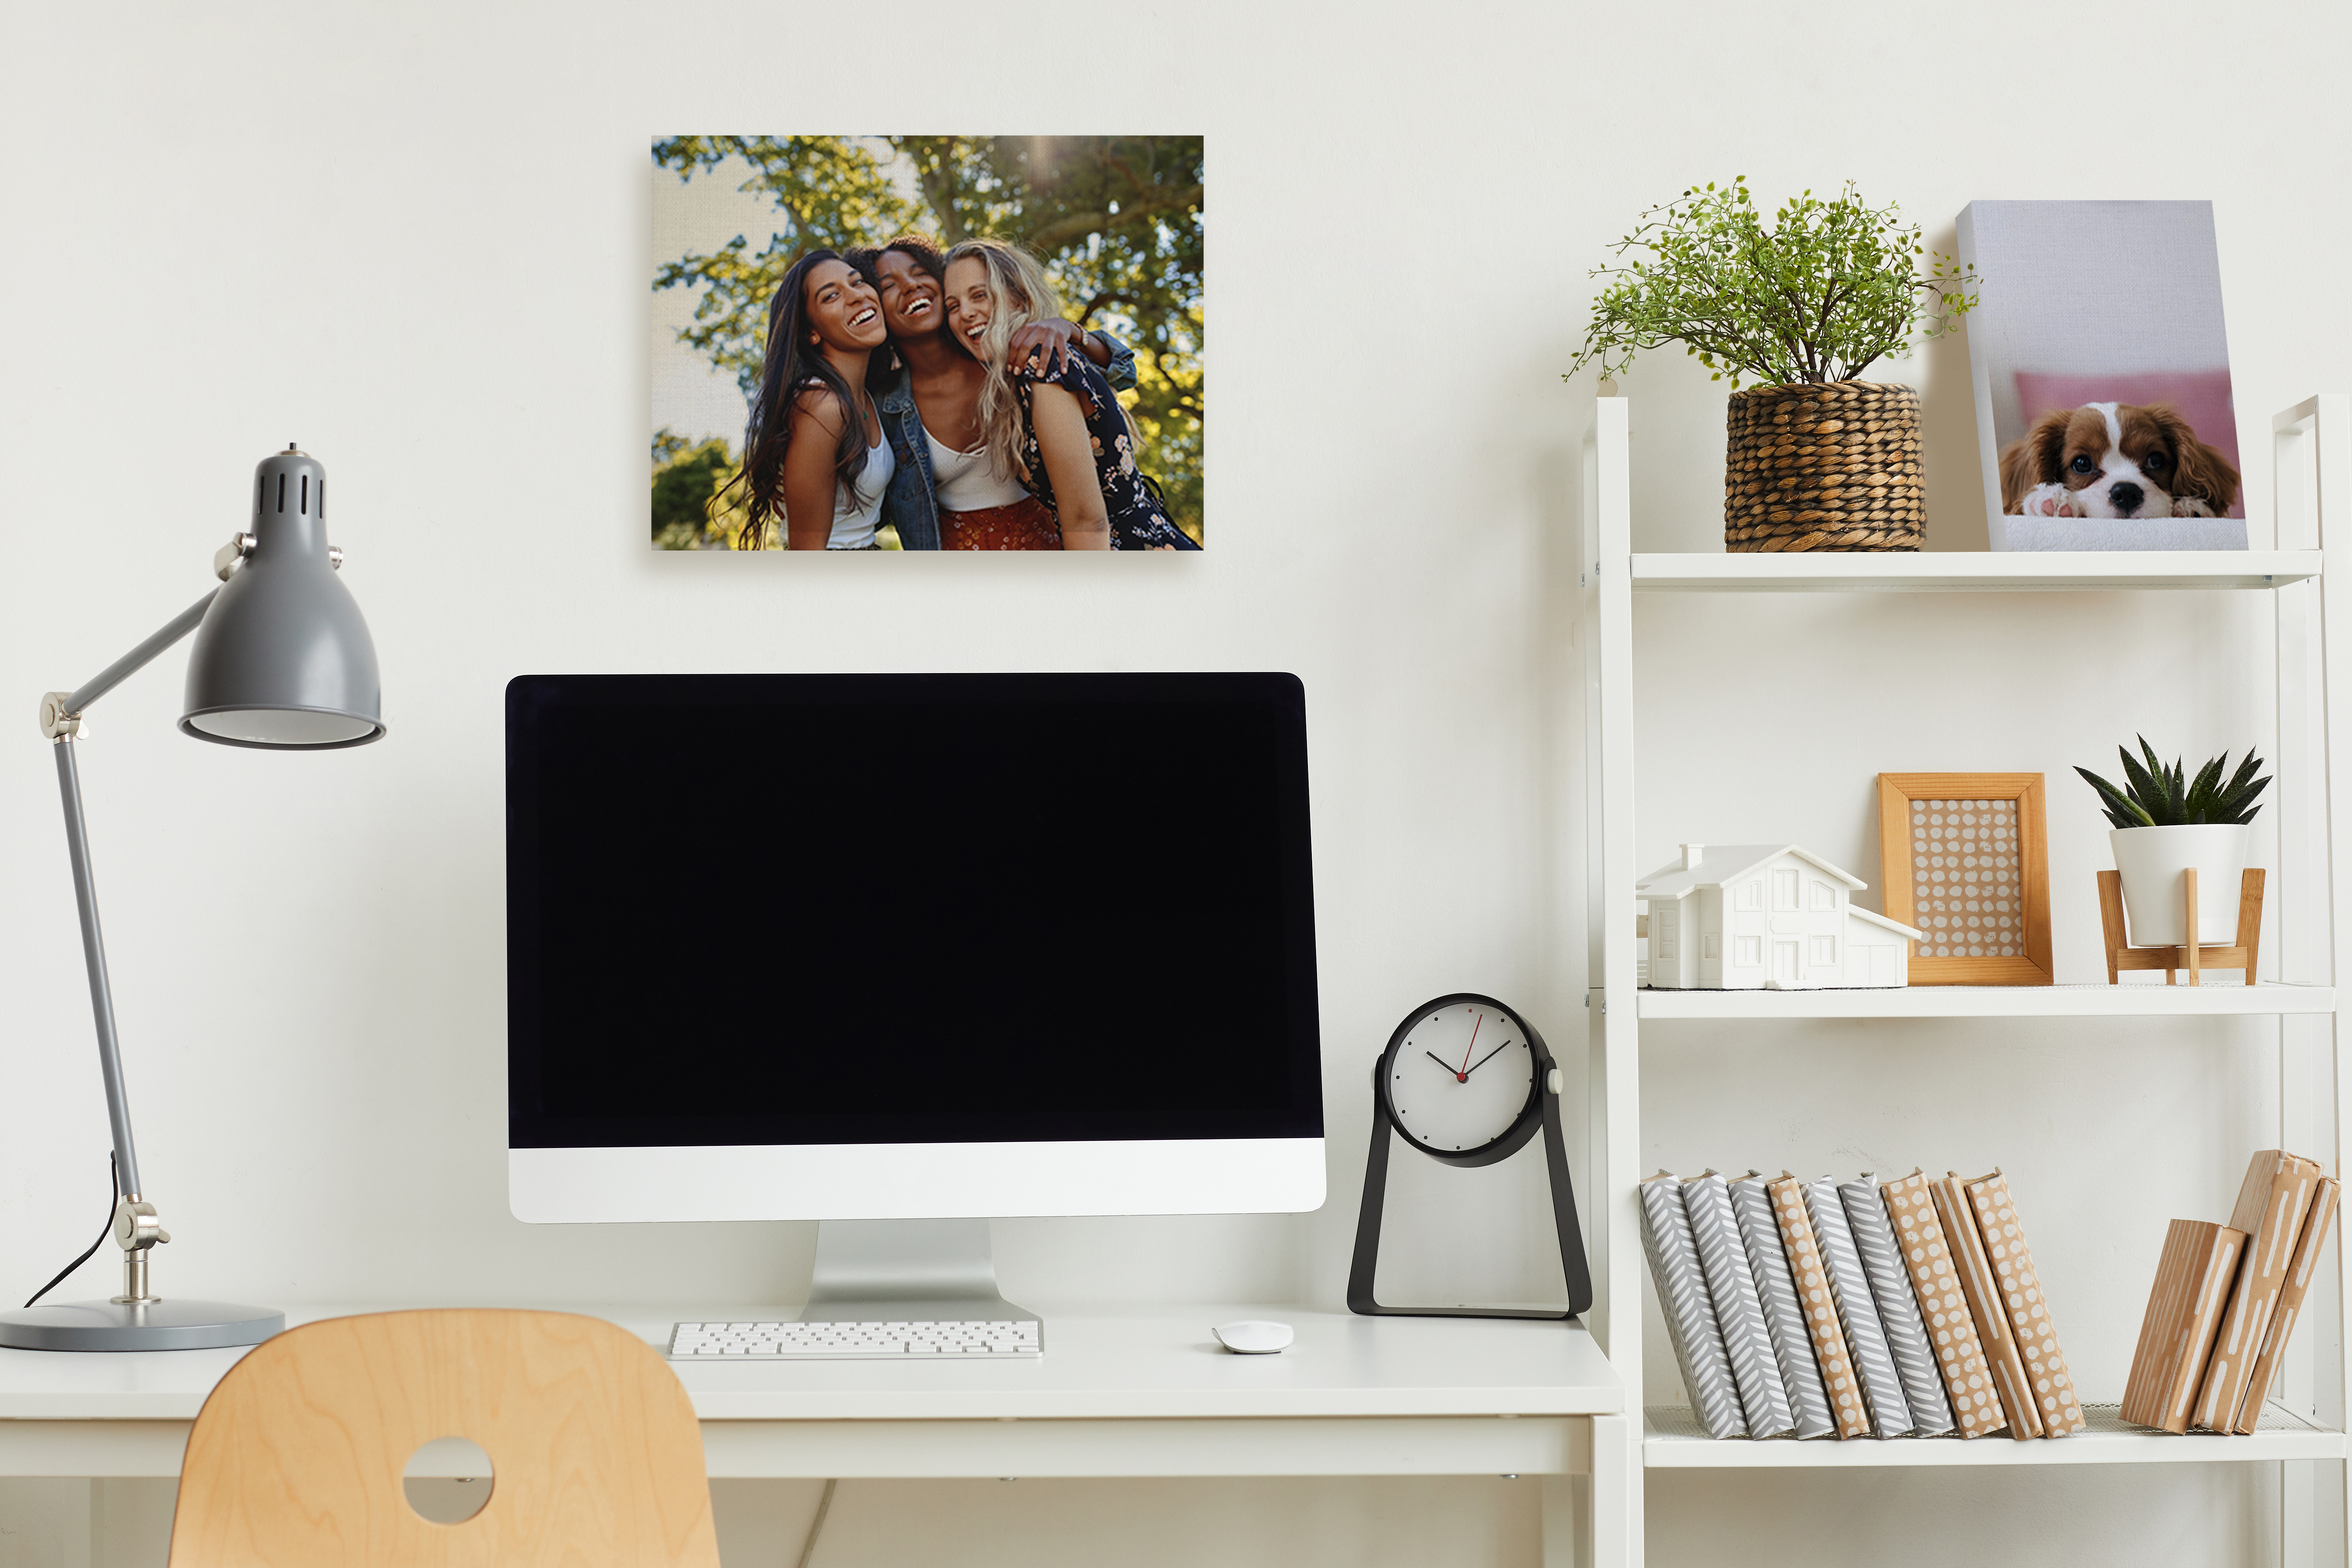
<point>1138,521</point>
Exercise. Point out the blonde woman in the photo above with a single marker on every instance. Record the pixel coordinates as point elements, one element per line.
<point>1055,426</point>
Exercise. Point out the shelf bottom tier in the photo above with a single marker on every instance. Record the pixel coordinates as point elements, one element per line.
<point>1672,1437</point>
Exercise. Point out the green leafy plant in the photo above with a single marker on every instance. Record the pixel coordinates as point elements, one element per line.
<point>1830,288</point>
<point>2158,798</point>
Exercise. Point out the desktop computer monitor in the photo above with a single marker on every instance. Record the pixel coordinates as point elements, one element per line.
<point>850,947</point>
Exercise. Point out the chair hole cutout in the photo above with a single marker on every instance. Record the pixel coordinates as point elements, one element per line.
<point>447,1480</point>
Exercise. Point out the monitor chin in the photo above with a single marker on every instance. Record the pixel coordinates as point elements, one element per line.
<point>916,1181</point>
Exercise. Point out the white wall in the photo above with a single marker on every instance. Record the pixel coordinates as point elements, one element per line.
<point>414,238</point>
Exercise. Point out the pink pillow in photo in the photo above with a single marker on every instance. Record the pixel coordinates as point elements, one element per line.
<point>2200,396</point>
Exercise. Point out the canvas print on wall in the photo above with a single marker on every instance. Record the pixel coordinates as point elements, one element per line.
<point>2104,410</point>
<point>927,342</point>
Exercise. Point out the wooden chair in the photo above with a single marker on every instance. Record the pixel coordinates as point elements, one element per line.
<point>597,1457</point>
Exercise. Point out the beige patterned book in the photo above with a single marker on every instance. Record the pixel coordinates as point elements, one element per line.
<point>1787,1196</point>
<point>2060,1407</point>
<point>2184,1312</point>
<point>1977,1283</point>
<point>2270,1206</point>
<point>1958,1354</point>
<point>2281,1323</point>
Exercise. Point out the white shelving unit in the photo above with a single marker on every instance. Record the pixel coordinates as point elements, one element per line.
<point>2310,582</point>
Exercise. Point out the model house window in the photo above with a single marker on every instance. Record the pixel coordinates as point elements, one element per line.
<point>1749,949</point>
<point>1661,925</point>
<point>1824,896</point>
<point>1784,890</point>
<point>1713,947</point>
<point>1752,895</point>
<point>1824,948</point>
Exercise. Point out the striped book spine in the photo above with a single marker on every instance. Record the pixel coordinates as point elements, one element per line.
<point>1865,1337</point>
<point>2184,1311</point>
<point>1784,1316</point>
<point>1738,1310</point>
<point>1977,1283</point>
<point>1898,1308</point>
<point>2270,1206</point>
<point>2281,1325</point>
<point>1690,1315</point>
<point>1787,1196</point>
<point>1966,1376</point>
<point>2060,1408</point>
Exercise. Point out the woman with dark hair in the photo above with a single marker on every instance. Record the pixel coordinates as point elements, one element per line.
<point>946,493</point>
<point>814,457</point>
<point>1057,427</point>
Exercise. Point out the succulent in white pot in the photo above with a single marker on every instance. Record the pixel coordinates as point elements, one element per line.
<point>2166,824</point>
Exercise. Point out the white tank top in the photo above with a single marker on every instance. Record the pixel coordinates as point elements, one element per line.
<point>961,479</point>
<point>858,510</point>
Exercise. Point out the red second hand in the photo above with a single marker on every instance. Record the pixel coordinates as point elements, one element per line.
<point>1463,1076</point>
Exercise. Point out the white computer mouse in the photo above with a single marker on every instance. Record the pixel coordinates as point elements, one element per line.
<point>1253,1336</point>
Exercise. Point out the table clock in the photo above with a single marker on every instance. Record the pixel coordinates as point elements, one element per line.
<point>1465,1081</point>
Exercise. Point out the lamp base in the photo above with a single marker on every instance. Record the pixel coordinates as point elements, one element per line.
<point>168,1324</point>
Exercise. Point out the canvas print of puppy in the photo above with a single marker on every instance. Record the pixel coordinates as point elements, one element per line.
<point>2115,461</point>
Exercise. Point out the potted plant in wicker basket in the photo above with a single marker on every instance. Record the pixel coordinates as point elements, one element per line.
<point>1816,459</point>
<point>2163,827</point>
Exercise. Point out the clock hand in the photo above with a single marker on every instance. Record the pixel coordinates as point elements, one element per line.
<point>1482,1062</point>
<point>1464,1070</point>
<point>1458,1077</point>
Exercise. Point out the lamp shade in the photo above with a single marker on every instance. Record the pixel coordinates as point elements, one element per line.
<point>283,658</point>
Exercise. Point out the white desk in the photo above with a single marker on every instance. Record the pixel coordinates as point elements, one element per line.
<point>1119,1391</point>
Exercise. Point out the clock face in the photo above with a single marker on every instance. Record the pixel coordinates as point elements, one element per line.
<point>1461,1076</point>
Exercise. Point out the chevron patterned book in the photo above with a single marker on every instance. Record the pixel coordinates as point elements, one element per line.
<point>1738,1310</point>
<point>1899,1307</point>
<point>1689,1314</point>
<point>1865,1337</point>
<point>1813,1279</point>
<point>1784,1315</point>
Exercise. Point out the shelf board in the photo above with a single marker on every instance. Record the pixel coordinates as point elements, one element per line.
<point>1672,1438</point>
<point>1894,572</point>
<point>2128,1001</point>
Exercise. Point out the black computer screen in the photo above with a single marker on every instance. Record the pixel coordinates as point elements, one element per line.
<point>898,909</point>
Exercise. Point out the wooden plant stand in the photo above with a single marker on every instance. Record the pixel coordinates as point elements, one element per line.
<point>2192,957</point>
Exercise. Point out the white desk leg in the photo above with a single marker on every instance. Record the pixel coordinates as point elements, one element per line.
<point>1584,1517</point>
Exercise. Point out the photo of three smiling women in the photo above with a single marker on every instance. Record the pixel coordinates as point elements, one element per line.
<point>947,396</point>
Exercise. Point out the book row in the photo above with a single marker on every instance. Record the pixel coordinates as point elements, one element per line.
<point>1827,1309</point>
<point>2226,1299</point>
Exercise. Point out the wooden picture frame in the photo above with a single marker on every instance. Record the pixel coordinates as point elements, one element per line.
<point>1997,842</point>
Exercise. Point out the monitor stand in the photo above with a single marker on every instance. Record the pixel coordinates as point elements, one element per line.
<point>925,1270</point>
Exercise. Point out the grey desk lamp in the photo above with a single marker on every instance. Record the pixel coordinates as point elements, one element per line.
<point>282,660</point>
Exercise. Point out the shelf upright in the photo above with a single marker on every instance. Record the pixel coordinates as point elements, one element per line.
<point>2309,572</point>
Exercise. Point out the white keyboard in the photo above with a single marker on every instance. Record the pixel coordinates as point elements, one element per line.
<point>992,1339</point>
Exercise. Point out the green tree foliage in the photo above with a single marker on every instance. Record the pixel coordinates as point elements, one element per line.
<point>685,478</point>
<point>1833,286</point>
<point>1116,220</point>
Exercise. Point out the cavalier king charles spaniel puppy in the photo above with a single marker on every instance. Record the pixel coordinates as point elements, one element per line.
<point>2115,461</point>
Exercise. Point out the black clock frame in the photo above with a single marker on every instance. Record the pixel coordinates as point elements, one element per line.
<point>1542,1109</point>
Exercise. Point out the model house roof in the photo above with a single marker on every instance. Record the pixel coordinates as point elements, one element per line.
<point>1716,863</point>
<point>1874,918</point>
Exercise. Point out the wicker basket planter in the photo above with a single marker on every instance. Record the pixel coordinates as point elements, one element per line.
<point>1823,466</point>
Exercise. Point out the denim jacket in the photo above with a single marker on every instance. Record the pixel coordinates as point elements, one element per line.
<point>912,501</point>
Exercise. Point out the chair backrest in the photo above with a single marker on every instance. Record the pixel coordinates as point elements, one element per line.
<point>297,1458</point>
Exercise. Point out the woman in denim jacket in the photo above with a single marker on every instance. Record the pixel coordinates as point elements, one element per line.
<point>931,475</point>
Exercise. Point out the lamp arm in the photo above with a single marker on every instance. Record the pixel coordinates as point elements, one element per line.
<point>69,705</point>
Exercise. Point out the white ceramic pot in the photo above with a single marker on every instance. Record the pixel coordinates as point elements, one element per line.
<point>2152,859</point>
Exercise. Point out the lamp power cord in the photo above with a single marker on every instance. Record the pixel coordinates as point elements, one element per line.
<point>113,1191</point>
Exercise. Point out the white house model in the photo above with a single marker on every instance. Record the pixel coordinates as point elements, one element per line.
<point>1745,917</point>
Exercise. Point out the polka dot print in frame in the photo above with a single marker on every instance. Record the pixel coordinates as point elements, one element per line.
<point>1965,858</point>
